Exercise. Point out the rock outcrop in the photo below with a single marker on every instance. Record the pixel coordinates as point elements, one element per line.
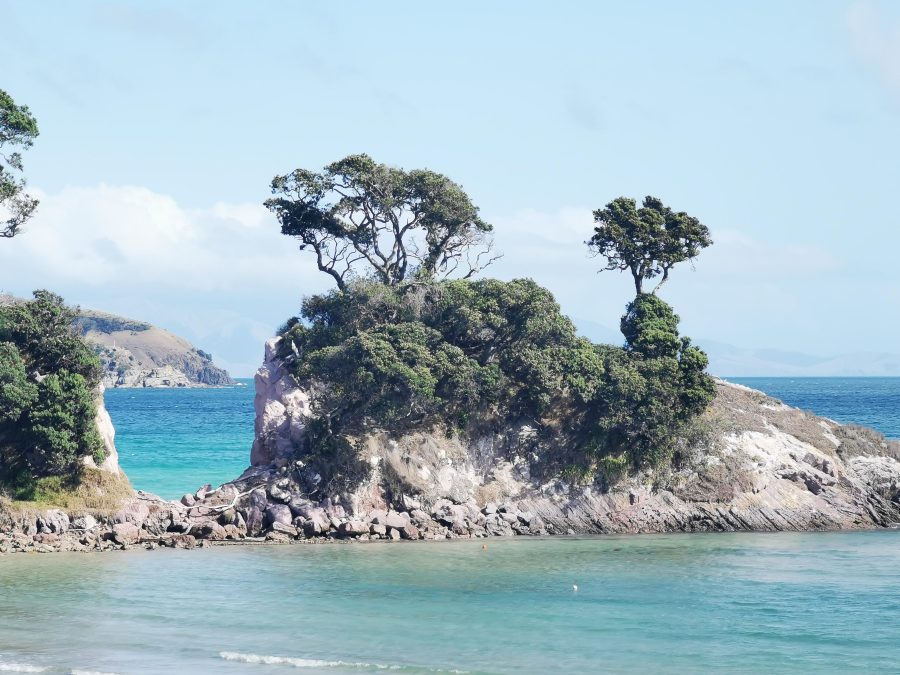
<point>760,466</point>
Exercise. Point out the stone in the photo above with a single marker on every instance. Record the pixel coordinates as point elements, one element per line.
<point>489,509</point>
<point>201,493</point>
<point>409,531</point>
<point>278,513</point>
<point>289,530</point>
<point>125,533</point>
<point>352,528</point>
<point>185,541</point>
<point>134,512</point>
<point>278,492</point>
<point>54,521</point>
<point>379,529</point>
<point>188,500</point>
<point>410,503</point>
<point>254,521</point>
<point>394,534</point>
<point>395,520</point>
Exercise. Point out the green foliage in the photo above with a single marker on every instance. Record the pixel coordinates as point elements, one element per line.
<point>672,387</point>
<point>17,392</point>
<point>47,408</point>
<point>18,129</point>
<point>646,241</point>
<point>363,219</point>
<point>462,352</point>
<point>61,426</point>
<point>42,331</point>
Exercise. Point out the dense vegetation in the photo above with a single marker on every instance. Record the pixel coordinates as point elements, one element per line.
<point>464,354</point>
<point>398,345</point>
<point>48,378</point>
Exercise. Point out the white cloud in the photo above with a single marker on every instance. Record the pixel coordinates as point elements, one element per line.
<point>131,236</point>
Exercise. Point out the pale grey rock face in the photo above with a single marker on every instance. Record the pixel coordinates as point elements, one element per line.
<point>282,409</point>
<point>108,435</point>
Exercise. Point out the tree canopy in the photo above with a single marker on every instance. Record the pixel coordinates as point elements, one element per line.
<point>646,241</point>
<point>48,378</point>
<point>18,129</point>
<point>363,219</point>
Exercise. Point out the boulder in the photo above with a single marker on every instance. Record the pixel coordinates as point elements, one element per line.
<point>289,530</point>
<point>395,520</point>
<point>353,528</point>
<point>278,513</point>
<point>53,521</point>
<point>126,533</point>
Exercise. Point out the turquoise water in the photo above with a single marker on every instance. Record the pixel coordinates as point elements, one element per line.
<point>775,603</point>
<point>172,441</point>
<point>736,603</point>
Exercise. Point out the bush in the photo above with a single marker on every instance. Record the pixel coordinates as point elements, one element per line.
<point>48,375</point>
<point>456,352</point>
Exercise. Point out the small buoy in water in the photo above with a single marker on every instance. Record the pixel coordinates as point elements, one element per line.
<point>484,547</point>
<point>574,588</point>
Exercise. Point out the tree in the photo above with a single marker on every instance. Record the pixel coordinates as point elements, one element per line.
<point>358,216</point>
<point>676,388</point>
<point>18,129</point>
<point>48,380</point>
<point>43,331</point>
<point>648,241</point>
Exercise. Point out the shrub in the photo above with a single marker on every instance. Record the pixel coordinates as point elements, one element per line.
<point>48,375</point>
<point>456,352</point>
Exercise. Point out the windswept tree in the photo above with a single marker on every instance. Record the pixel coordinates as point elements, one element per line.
<point>363,219</point>
<point>647,241</point>
<point>18,129</point>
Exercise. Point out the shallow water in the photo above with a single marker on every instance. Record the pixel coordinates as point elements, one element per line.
<point>172,441</point>
<point>678,603</point>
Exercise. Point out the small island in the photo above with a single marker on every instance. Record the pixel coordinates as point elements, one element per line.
<point>420,400</point>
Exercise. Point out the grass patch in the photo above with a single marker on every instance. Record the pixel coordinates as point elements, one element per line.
<point>93,490</point>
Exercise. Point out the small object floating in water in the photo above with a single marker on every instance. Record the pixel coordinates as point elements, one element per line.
<point>484,547</point>
<point>574,588</point>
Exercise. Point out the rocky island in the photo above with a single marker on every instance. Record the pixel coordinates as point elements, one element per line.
<point>413,401</point>
<point>758,465</point>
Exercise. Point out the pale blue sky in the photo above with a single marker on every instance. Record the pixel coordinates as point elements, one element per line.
<point>777,124</point>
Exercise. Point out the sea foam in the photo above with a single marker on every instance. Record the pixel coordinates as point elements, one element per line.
<point>320,663</point>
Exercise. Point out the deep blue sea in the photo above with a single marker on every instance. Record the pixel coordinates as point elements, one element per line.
<point>729,603</point>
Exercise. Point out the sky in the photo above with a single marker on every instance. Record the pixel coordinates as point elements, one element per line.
<point>162,124</point>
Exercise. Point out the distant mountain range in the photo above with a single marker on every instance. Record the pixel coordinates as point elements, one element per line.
<point>726,360</point>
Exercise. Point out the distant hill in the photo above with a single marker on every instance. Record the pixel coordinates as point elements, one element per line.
<point>138,354</point>
<point>726,360</point>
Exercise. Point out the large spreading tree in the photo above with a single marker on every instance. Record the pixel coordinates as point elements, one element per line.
<point>364,219</point>
<point>18,129</point>
<point>648,241</point>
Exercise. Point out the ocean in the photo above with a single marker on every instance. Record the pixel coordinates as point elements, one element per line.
<point>735,603</point>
